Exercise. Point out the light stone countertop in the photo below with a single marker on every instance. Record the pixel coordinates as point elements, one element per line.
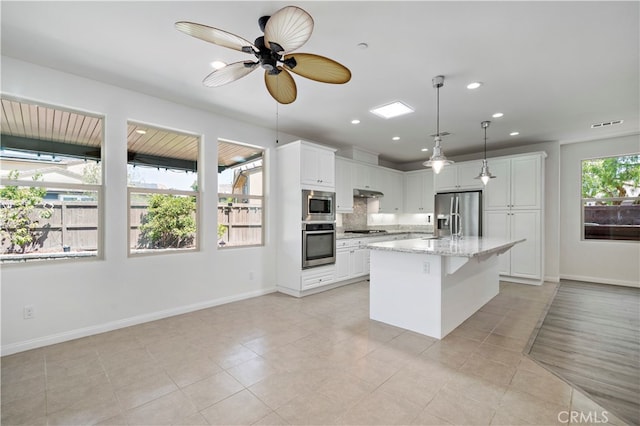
<point>458,247</point>
<point>349,235</point>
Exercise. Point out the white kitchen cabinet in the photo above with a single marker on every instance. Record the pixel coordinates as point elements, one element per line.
<point>391,185</point>
<point>343,263</point>
<point>365,176</point>
<point>317,167</point>
<point>351,259</point>
<point>418,192</point>
<point>300,165</point>
<point>358,265</point>
<point>458,177</point>
<point>524,259</point>
<point>317,277</point>
<point>517,184</point>
<point>344,187</point>
<point>514,209</point>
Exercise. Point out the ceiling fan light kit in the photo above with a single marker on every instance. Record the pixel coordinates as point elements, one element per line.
<point>438,160</point>
<point>485,175</point>
<point>284,31</point>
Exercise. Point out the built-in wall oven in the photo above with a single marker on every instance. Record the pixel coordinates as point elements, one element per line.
<point>318,244</point>
<point>318,206</point>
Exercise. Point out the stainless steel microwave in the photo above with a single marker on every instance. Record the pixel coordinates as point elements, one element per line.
<point>318,206</point>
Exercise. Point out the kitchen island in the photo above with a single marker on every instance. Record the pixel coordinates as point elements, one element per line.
<point>431,285</point>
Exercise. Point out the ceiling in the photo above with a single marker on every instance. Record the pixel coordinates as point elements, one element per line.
<point>552,68</point>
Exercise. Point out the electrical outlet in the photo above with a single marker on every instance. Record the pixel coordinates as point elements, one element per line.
<point>250,275</point>
<point>29,311</point>
<point>426,267</point>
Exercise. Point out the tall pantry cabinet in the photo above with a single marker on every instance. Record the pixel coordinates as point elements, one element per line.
<point>514,209</point>
<point>301,165</point>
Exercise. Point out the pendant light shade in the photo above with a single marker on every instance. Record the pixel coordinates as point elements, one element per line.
<point>438,159</point>
<point>485,175</point>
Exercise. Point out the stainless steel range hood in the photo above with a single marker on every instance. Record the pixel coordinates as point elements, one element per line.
<point>367,193</point>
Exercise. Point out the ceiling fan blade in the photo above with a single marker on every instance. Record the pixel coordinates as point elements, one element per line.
<point>318,68</point>
<point>215,36</point>
<point>281,86</point>
<point>231,72</point>
<point>288,29</point>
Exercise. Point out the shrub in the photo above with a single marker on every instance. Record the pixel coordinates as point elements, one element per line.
<point>169,221</point>
<point>16,214</point>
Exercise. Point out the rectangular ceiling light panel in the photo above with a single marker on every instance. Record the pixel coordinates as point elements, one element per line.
<point>391,110</point>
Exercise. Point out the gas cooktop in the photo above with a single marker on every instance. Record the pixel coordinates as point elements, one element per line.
<point>365,231</point>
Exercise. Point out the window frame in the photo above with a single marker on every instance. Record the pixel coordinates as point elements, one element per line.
<point>134,253</point>
<point>99,189</point>
<point>262,197</point>
<point>601,199</point>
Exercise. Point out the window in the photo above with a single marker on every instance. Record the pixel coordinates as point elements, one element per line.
<point>51,191</point>
<point>163,190</point>
<point>611,198</point>
<point>240,195</point>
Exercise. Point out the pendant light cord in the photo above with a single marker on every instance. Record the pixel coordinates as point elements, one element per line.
<point>438,111</point>
<point>485,143</point>
<point>277,110</point>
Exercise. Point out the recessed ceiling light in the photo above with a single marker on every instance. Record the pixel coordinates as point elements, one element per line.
<point>141,132</point>
<point>498,115</point>
<point>395,138</point>
<point>424,149</point>
<point>356,121</point>
<point>362,46</point>
<point>474,85</point>
<point>391,110</point>
<point>514,133</point>
<point>218,64</point>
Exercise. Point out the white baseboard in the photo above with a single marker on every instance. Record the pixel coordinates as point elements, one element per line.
<point>552,279</point>
<point>39,342</point>
<point>600,280</point>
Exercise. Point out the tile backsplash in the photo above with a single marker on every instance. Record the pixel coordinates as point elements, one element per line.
<point>361,219</point>
<point>357,219</point>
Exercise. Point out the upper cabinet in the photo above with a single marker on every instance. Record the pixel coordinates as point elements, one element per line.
<point>344,187</point>
<point>418,188</point>
<point>517,184</point>
<point>457,177</point>
<point>391,185</point>
<point>365,176</point>
<point>317,166</point>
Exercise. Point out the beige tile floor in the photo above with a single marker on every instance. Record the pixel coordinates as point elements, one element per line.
<point>277,360</point>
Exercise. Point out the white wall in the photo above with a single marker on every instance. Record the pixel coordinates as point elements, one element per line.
<point>608,262</point>
<point>74,299</point>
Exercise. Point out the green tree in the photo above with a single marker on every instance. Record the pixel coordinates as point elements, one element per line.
<point>610,177</point>
<point>17,214</point>
<point>169,221</point>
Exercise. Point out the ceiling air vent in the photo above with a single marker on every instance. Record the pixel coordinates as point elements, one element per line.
<point>606,124</point>
<point>441,134</point>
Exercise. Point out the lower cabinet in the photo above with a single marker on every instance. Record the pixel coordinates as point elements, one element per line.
<point>351,259</point>
<point>524,260</point>
<point>316,277</point>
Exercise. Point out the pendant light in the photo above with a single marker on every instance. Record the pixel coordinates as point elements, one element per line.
<point>485,175</point>
<point>437,160</point>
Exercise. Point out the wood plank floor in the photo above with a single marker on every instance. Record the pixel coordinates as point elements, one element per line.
<point>590,337</point>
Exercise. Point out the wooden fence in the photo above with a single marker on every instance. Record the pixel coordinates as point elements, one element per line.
<point>243,224</point>
<point>74,224</point>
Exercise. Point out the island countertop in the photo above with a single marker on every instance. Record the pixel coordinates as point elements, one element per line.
<point>458,247</point>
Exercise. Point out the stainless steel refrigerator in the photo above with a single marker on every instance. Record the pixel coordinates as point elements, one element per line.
<point>458,214</point>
